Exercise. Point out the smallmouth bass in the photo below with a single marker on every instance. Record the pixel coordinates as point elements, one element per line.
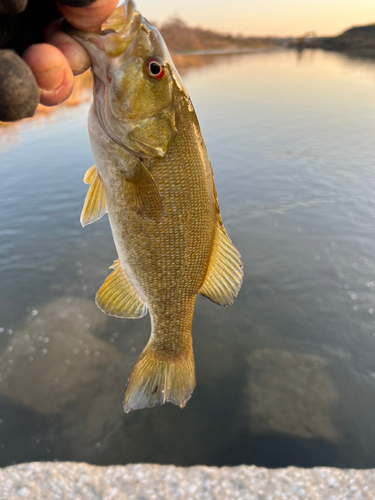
<point>153,177</point>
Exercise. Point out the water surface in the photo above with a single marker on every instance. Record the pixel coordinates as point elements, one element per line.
<point>286,376</point>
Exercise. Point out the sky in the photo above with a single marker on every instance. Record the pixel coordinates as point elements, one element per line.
<point>264,17</point>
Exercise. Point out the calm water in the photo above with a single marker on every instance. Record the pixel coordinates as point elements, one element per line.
<point>286,376</point>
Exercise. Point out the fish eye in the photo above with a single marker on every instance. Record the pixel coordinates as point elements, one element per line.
<point>155,68</point>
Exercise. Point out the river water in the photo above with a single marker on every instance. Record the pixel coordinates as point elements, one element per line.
<point>285,376</point>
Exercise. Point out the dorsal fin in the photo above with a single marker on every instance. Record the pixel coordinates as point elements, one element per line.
<point>118,297</point>
<point>224,275</point>
<point>95,204</point>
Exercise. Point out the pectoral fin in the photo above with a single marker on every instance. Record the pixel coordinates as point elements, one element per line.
<point>224,274</point>
<point>118,297</point>
<point>95,204</point>
<point>142,193</point>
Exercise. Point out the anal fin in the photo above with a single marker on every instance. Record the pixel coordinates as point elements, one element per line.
<point>95,203</point>
<point>118,297</point>
<point>224,275</point>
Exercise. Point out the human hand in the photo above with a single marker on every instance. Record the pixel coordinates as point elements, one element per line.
<point>47,76</point>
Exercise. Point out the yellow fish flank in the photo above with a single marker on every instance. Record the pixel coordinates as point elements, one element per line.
<point>153,177</point>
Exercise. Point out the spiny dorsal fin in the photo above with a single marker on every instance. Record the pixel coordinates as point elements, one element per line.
<point>142,194</point>
<point>224,275</point>
<point>117,296</point>
<point>95,205</point>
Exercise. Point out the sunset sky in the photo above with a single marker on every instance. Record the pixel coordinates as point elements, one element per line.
<point>264,17</point>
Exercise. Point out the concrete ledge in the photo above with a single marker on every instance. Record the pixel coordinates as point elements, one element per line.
<point>77,481</point>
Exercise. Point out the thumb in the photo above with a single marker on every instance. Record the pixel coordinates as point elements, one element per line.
<point>87,15</point>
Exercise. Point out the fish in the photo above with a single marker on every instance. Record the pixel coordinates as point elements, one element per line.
<point>153,177</point>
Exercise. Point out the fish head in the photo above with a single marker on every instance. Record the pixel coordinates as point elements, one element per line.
<point>137,89</point>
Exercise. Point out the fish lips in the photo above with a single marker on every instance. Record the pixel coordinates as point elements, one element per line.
<point>118,32</point>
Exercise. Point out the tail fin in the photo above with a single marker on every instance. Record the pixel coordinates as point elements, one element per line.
<point>156,380</point>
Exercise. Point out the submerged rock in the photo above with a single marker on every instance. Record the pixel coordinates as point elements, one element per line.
<point>56,367</point>
<point>55,358</point>
<point>290,393</point>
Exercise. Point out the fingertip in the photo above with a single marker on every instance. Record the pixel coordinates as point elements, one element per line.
<point>52,73</point>
<point>78,59</point>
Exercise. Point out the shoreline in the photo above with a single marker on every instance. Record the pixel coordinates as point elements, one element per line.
<point>212,52</point>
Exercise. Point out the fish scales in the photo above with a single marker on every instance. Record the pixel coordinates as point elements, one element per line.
<point>153,177</point>
<point>171,277</point>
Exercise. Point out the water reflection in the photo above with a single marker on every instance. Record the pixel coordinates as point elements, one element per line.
<point>287,374</point>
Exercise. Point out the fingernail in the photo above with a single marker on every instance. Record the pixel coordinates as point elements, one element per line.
<point>51,79</point>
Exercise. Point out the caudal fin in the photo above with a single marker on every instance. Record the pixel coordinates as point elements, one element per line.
<point>156,380</point>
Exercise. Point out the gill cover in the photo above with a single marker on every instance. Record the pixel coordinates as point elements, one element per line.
<point>135,101</point>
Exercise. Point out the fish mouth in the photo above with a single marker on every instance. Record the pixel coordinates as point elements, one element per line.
<point>105,50</point>
<point>126,42</point>
<point>118,31</point>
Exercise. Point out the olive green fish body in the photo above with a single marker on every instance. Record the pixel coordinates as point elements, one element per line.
<point>153,177</point>
<point>175,247</point>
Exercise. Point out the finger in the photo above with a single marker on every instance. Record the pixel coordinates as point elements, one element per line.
<point>75,54</point>
<point>88,18</point>
<point>52,73</point>
<point>19,94</point>
<point>77,3</point>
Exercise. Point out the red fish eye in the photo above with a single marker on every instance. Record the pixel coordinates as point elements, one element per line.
<point>155,69</point>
